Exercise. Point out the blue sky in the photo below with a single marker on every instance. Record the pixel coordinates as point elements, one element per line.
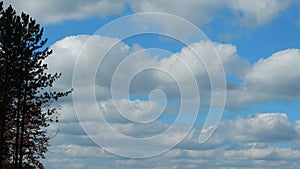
<point>257,43</point>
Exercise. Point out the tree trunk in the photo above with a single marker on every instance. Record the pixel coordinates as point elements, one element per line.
<point>3,109</point>
<point>2,121</point>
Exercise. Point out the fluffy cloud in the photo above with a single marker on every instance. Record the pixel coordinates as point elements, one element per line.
<point>251,138</point>
<point>245,141</point>
<point>256,131</point>
<point>252,13</point>
<point>258,84</point>
<point>178,69</point>
<point>258,12</point>
<point>274,78</point>
<point>268,127</point>
<point>57,11</point>
<point>278,75</point>
<point>136,111</point>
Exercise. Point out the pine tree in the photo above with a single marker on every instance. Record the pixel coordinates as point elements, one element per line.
<point>25,91</point>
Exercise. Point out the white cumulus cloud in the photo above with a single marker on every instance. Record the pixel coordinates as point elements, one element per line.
<point>248,13</point>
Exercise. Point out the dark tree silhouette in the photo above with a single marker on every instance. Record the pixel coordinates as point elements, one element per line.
<point>25,91</point>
